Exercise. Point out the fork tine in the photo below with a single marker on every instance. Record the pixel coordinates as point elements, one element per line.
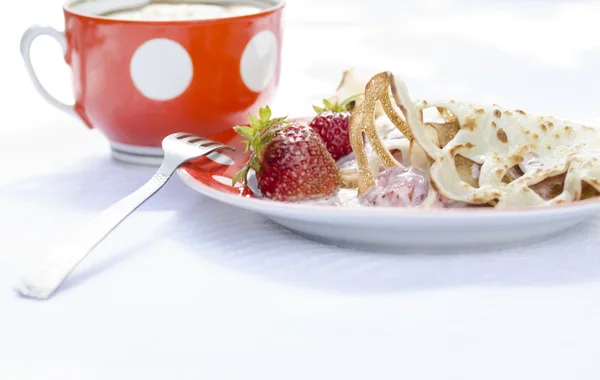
<point>208,146</point>
<point>202,142</point>
<point>211,149</point>
<point>190,138</point>
<point>199,141</point>
<point>207,143</point>
<point>181,135</point>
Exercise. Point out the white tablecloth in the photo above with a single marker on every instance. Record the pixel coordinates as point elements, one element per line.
<point>188,288</point>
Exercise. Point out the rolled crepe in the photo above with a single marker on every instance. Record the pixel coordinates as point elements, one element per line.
<point>474,153</point>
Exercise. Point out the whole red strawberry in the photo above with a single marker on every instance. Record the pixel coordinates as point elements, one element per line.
<point>332,123</point>
<point>290,159</point>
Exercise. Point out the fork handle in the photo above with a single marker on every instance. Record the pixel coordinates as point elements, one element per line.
<point>47,275</point>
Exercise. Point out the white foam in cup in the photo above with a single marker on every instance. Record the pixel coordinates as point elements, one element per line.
<point>148,10</point>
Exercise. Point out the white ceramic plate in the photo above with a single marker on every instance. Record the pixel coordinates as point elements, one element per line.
<point>390,229</point>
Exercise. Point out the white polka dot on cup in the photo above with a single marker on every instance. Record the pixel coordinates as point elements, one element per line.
<point>161,69</point>
<point>257,66</point>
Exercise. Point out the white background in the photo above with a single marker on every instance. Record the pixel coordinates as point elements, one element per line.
<point>188,288</point>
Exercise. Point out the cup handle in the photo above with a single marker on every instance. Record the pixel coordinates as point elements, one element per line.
<point>26,40</point>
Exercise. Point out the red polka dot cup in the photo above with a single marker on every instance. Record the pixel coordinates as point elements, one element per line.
<point>141,73</point>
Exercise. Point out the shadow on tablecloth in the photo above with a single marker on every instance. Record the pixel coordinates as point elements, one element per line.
<point>250,244</point>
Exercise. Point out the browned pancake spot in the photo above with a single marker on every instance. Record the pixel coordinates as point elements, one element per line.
<point>516,158</point>
<point>470,123</point>
<point>455,149</point>
<point>501,135</point>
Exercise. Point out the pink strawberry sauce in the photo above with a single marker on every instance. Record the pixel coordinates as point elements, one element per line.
<point>398,187</point>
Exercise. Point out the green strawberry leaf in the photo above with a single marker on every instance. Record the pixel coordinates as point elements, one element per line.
<point>328,104</point>
<point>255,122</point>
<point>247,132</point>
<point>265,114</point>
<point>256,143</point>
<point>254,164</point>
<point>240,177</point>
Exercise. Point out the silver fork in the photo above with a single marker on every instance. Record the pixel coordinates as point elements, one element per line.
<point>44,277</point>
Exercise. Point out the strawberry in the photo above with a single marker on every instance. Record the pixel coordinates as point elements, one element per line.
<point>290,159</point>
<point>332,123</point>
